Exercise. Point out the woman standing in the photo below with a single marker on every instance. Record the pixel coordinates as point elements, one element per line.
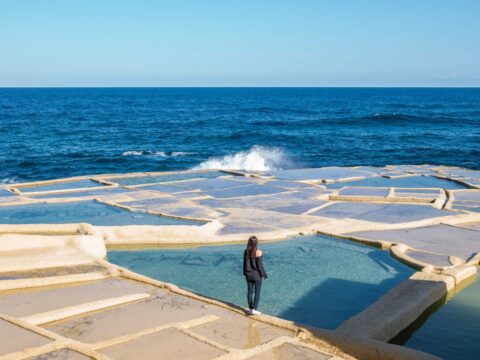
<point>254,272</point>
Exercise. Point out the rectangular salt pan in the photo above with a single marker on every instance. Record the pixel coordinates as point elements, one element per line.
<point>404,182</point>
<point>88,193</point>
<point>467,208</point>
<point>91,212</point>
<point>384,213</point>
<point>288,184</point>
<point>475,182</point>
<point>161,309</point>
<point>151,202</point>
<point>314,280</point>
<point>416,195</point>
<point>319,174</point>
<point>429,258</point>
<point>66,185</point>
<point>208,184</point>
<point>41,300</point>
<point>472,195</point>
<point>290,203</point>
<point>248,190</point>
<point>298,209</point>
<point>167,189</point>
<point>161,345</point>
<point>15,338</point>
<point>198,184</point>
<point>137,180</point>
<point>421,191</point>
<point>463,173</point>
<point>466,203</point>
<point>442,239</point>
<point>354,191</point>
<point>61,354</point>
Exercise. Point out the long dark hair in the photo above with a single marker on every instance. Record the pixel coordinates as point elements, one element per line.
<point>252,246</point>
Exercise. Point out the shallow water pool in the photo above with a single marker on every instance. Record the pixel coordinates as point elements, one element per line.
<point>453,330</point>
<point>315,280</point>
<point>66,185</point>
<point>402,182</point>
<point>137,180</point>
<point>91,212</point>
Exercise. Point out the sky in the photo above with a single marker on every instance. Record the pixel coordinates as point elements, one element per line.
<point>239,43</point>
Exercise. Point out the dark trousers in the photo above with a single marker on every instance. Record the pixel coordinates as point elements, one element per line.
<point>254,286</point>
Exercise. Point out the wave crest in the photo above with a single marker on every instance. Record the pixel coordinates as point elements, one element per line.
<point>11,180</point>
<point>257,158</point>
<point>156,153</point>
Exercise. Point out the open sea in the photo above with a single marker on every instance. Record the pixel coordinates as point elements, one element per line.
<point>59,132</point>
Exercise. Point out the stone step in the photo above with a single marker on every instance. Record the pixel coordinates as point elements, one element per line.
<point>41,258</point>
<point>24,283</point>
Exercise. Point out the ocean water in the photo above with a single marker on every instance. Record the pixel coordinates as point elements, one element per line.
<point>315,280</point>
<point>51,133</point>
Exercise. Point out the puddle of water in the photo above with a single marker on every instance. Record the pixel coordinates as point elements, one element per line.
<point>451,331</point>
<point>314,280</point>
<point>404,182</point>
<point>91,212</point>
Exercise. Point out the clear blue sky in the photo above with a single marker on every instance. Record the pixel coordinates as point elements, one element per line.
<point>240,43</point>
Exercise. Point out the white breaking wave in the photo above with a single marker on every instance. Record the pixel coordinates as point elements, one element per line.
<point>181,153</point>
<point>132,153</point>
<point>11,180</point>
<point>258,158</point>
<point>155,153</point>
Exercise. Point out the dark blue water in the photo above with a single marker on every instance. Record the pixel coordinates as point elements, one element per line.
<point>49,133</point>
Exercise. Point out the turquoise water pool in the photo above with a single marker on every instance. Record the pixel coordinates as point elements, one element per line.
<point>403,182</point>
<point>453,330</point>
<point>91,212</point>
<point>315,280</point>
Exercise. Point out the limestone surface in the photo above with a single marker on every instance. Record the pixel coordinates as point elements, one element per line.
<point>59,298</point>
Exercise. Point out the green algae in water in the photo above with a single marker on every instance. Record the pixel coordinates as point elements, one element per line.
<point>315,280</point>
<point>453,330</point>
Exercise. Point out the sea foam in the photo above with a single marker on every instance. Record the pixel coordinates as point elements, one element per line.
<point>257,158</point>
<point>156,153</point>
<point>11,180</point>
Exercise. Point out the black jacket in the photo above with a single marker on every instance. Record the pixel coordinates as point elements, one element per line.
<point>253,269</point>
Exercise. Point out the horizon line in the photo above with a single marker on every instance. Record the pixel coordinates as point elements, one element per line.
<point>243,86</point>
